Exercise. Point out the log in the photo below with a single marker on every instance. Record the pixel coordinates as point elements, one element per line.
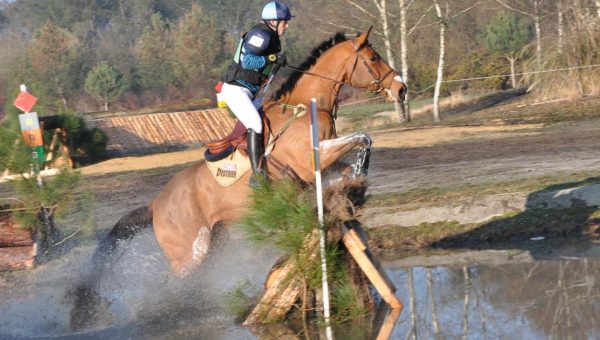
<point>283,289</point>
<point>13,258</point>
<point>11,235</point>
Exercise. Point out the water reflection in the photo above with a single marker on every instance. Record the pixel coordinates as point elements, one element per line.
<point>543,299</point>
<point>547,291</point>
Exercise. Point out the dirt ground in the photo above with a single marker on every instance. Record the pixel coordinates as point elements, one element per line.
<point>402,159</point>
<point>449,156</point>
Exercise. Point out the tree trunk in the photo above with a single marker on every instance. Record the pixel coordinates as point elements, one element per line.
<point>598,7</point>
<point>561,30</point>
<point>513,77</point>
<point>283,288</point>
<point>404,56</point>
<point>61,93</point>
<point>538,35</point>
<point>440,70</point>
<point>382,8</point>
<point>105,106</point>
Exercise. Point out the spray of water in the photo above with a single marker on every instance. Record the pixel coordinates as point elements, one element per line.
<point>138,295</point>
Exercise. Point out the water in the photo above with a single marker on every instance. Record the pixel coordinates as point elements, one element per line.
<point>546,290</point>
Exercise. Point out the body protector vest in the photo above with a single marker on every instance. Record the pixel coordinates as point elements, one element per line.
<point>261,41</point>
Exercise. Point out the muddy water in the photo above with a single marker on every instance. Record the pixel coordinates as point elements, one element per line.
<point>546,290</point>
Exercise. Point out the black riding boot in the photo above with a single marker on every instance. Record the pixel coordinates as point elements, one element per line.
<point>256,150</point>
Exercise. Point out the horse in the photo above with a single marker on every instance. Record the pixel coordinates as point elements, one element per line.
<point>184,214</point>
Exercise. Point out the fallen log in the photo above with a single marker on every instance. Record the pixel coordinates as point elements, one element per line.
<point>12,258</point>
<point>16,244</point>
<point>10,233</point>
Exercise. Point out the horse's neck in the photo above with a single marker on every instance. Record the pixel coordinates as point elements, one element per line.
<point>324,88</point>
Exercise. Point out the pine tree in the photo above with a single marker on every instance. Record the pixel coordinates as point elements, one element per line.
<point>197,46</point>
<point>508,34</point>
<point>54,65</point>
<point>154,63</point>
<point>105,83</point>
<point>37,206</point>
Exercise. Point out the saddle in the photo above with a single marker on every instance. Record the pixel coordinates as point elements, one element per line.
<point>219,149</point>
<point>227,158</point>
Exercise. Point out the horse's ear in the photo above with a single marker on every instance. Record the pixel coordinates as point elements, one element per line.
<point>361,40</point>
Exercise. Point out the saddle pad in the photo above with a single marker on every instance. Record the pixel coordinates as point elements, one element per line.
<point>230,169</point>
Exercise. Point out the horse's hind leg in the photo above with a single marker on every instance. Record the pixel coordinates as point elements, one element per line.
<point>333,149</point>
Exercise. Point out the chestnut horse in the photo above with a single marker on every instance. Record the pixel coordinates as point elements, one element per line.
<point>184,213</point>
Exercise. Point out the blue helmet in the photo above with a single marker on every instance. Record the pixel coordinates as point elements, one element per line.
<point>276,10</point>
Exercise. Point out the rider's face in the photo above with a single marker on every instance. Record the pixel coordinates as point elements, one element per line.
<point>281,28</point>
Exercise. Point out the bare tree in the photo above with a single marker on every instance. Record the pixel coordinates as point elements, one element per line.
<point>561,31</point>
<point>443,17</point>
<point>404,5</point>
<point>382,14</point>
<point>534,13</point>
<point>387,37</point>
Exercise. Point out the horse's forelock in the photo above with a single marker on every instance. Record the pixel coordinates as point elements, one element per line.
<point>314,55</point>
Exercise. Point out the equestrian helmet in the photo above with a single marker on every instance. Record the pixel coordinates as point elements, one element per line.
<point>276,10</point>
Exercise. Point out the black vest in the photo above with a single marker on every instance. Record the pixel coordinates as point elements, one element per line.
<point>255,77</point>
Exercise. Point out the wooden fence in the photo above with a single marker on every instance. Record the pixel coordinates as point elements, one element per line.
<point>159,132</point>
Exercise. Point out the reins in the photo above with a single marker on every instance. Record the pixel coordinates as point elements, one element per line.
<point>314,74</point>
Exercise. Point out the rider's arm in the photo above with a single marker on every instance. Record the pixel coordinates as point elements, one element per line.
<point>254,49</point>
<point>253,62</point>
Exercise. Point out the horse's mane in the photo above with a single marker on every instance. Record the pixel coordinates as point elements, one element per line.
<point>293,78</point>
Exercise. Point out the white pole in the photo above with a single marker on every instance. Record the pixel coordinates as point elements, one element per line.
<point>319,189</point>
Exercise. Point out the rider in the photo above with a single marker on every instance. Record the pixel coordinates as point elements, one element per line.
<point>257,53</point>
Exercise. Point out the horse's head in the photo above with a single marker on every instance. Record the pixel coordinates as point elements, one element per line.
<point>371,71</point>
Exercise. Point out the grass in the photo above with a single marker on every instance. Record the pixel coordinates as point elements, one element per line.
<point>512,226</point>
<point>522,110</point>
<point>445,194</point>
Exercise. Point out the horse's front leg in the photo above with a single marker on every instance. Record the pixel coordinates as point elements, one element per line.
<point>332,150</point>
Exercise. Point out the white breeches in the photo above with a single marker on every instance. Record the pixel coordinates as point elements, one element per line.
<point>239,100</point>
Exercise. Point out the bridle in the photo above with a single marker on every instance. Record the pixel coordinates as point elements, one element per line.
<point>375,86</point>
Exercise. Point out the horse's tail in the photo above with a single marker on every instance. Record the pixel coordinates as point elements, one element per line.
<point>87,303</point>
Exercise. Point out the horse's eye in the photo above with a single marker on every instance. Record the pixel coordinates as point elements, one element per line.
<point>374,58</point>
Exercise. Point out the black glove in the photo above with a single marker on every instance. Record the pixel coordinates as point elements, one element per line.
<point>278,58</point>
